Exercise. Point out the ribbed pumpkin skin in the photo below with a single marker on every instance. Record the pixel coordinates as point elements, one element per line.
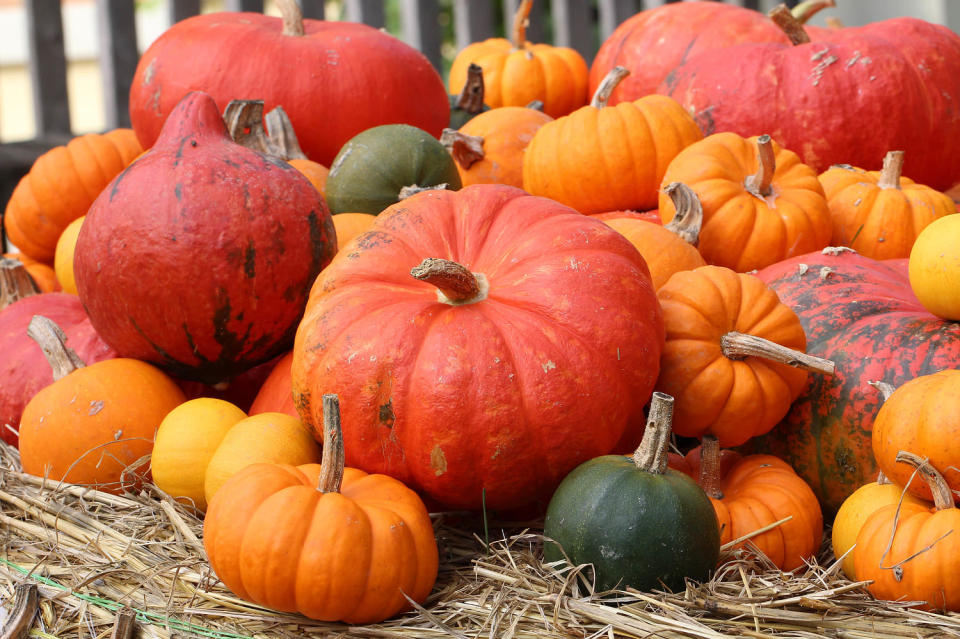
<point>609,513</point>
<point>861,314</point>
<point>655,41</point>
<point>611,158</point>
<point>732,399</point>
<point>231,240</point>
<point>882,223</point>
<point>487,397</point>
<point>274,539</point>
<point>276,394</point>
<point>665,252</point>
<point>849,99</point>
<point>740,230</point>
<point>506,132</point>
<point>337,80</point>
<point>23,368</point>
<point>61,186</point>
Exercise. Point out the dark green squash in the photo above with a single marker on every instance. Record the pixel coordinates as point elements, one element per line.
<point>375,166</point>
<point>638,522</point>
<point>470,101</point>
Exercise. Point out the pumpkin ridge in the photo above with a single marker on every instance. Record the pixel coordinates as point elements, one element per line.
<point>636,169</point>
<point>407,556</point>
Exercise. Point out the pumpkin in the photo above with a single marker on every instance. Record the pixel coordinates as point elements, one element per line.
<point>334,79</point>
<point>489,148</point>
<point>42,274</point>
<point>350,225</point>
<point>861,314</point>
<point>16,282</point>
<point>469,376</point>
<point>755,492</point>
<point>639,523</point>
<point>760,203</point>
<point>625,148</point>
<point>329,542</point>
<point>385,164</point>
<point>516,72</point>
<point>469,102</point>
<point>666,249</point>
<point>63,260</point>
<point>854,512</point>
<point>648,216</point>
<point>848,98</point>
<point>95,423</point>
<point>60,187</point>
<point>23,368</point>
<point>922,417</point>
<point>734,355</point>
<point>880,214</point>
<point>231,238</point>
<point>911,551</point>
<point>934,267</point>
<point>276,393</point>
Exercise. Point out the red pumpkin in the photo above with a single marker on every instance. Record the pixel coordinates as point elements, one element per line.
<point>276,393</point>
<point>862,314</point>
<point>334,79</point>
<point>479,392</point>
<point>200,256</point>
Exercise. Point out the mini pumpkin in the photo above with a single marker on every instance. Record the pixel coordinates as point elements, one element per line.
<point>43,276</point>
<point>63,260</point>
<point>350,225</point>
<point>934,267</point>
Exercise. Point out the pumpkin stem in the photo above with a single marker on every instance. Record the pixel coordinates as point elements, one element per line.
<point>456,285</point>
<point>413,189</point>
<point>536,105</point>
<point>15,282</point>
<point>52,340</point>
<point>292,17</point>
<point>709,479</point>
<point>891,171</point>
<point>24,609</point>
<point>651,454</point>
<point>688,219</point>
<point>471,98</point>
<point>942,495</point>
<point>281,138</point>
<point>805,10</point>
<point>244,120</point>
<point>834,22</point>
<point>781,16</point>
<point>885,389</point>
<point>607,85</point>
<point>736,346</point>
<point>332,462</point>
<point>882,479</point>
<point>759,183</point>
<point>521,19</point>
<point>465,149</point>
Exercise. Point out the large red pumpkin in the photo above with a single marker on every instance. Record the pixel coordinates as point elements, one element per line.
<point>200,256</point>
<point>525,350</point>
<point>862,314</point>
<point>334,79</point>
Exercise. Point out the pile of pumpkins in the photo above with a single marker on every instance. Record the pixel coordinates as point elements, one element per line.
<point>507,297</point>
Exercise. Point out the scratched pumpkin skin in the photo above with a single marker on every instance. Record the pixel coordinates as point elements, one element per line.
<point>492,401</point>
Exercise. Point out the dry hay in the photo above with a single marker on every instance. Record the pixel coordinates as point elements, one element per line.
<point>93,554</point>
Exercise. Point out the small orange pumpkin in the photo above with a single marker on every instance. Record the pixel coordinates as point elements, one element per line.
<point>760,203</point>
<point>42,274</point>
<point>518,72</point>
<point>350,225</point>
<point>879,214</point>
<point>329,542</point>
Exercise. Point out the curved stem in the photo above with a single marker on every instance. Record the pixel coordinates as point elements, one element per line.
<point>520,21</point>
<point>651,455</point>
<point>332,462</point>
<point>15,282</point>
<point>759,183</point>
<point>885,389</point>
<point>244,120</point>
<point>454,281</point>
<point>709,479</point>
<point>942,495</point>
<point>805,10</point>
<point>281,138</point>
<point>736,345</point>
<point>63,360</point>
<point>688,219</point>
<point>465,149</point>
<point>292,17</point>
<point>26,600</point>
<point>782,17</point>
<point>607,85</point>
<point>882,479</point>
<point>471,97</point>
<point>891,171</point>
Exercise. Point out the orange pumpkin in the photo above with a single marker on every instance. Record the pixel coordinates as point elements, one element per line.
<point>489,148</point>
<point>350,225</point>
<point>518,72</point>
<point>276,393</point>
<point>329,542</point>
<point>912,551</point>
<point>732,354</point>
<point>879,213</point>
<point>93,421</point>
<point>61,186</point>
<point>603,158</point>
<point>753,492</point>
<point>15,282</point>
<point>760,203</point>
<point>42,274</point>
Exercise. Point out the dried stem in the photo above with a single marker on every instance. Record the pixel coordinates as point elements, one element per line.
<point>455,281</point>
<point>536,105</point>
<point>52,340</point>
<point>520,21</point>
<point>413,189</point>
<point>332,462</point>
<point>942,495</point>
<point>688,219</point>
<point>651,455</point>
<point>759,183</point>
<point>281,138</point>
<point>805,10</point>
<point>15,282</point>
<point>465,149</point>
<point>607,85</point>
<point>784,19</point>
<point>891,171</point>
<point>736,345</point>
<point>292,17</point>
<point>244,120</point>
<point>885,389</point>
<point>125,626</point>
<point>24,609</point>
<point>709,479</point>
<point>471,97</point>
